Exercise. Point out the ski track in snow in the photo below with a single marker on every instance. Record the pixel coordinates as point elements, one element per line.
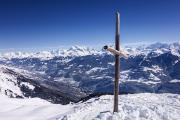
<point>144,106</point>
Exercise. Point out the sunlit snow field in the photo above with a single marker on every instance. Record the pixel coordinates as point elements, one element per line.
<point>144,106</point>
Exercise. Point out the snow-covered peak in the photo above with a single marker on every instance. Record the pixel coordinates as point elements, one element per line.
<point>175,45</point>
<point>76,51</point>
<point>155,48</point>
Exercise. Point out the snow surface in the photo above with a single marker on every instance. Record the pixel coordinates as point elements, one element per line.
<point>28,109</point>
<point>144,106</point>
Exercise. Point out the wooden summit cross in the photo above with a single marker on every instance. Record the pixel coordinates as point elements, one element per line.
<point>117,54</point>
<point>117,64</point>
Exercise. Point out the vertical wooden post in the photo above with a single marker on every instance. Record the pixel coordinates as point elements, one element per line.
<point>117,63</point>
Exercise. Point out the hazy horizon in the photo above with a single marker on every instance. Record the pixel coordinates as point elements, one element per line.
<point>65,47</point>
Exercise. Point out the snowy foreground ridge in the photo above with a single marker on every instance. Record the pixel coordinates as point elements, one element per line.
<point>144,106</point>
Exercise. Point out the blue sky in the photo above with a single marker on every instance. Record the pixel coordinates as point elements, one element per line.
<point>40,24</point>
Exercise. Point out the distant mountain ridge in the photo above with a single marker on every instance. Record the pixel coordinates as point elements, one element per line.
<point>83,51</point>
<point>72,51</point>
<point>153,68</point>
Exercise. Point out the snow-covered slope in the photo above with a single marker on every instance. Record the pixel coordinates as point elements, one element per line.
<point>12,81</point>
<point>27,109</point>
<point>131,107</point>
<point>143,106</point>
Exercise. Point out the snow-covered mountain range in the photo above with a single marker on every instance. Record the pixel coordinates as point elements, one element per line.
<point>151,68</point>
<point>73,51</point>
<point>133,50</point>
